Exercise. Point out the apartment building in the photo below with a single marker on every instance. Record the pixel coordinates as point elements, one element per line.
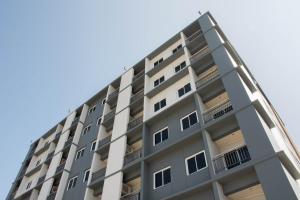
<point>188,121</point>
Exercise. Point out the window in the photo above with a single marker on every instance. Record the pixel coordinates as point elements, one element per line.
<point>159,61</point>
<point>180,67</point>
<point>162,177</point>
<point>86,129</point>
<point>99,120</point>
<point>103,101</point>
<point>79,153</point>
<point>160,105</point>
<point>72,182</point>
<point>189,120</point>
<point>86,175</point>
<point>92,109</point>
<point>38,162</point>
<point>177,48</point>
<point>160,136</point>
<point>28,185</point>
<point>159,81</point>
<point>185,89</point>
<point>93,146</point>
<point>195,163</point>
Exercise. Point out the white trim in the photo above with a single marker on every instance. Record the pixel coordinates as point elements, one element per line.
<point>100,117</point>
<point>84,129</point>
<point>72,179</point>
<point>154,188</point>
<point>159,131</point>
<point>189,121</point>
<point>94,141</point>
<point>159,103</point>
<point>92,109</point>
<point>194,155</point>
<point>79,152</point>
<point>185,93</point>
<point>103,101</point>
<point>84,176</point>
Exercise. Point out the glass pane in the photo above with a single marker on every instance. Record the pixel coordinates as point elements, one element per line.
<point>180,92</point>
<point>193,118</point>
<point>163,103</point>
<point>200,159</point>
<point>167,176</point>
<point>177,69</point>
<point>187,88</point>
<point>157,138</point>
<point>156,83</point>
<point>158,180</point>
<point>182,65</point>
<point>162,79</point>
<point>191,165</point>
<point>156,107</point>
<point>164,134</point>
<point>185,123</point>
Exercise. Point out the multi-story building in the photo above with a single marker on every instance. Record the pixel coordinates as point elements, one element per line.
<point>188,121</point>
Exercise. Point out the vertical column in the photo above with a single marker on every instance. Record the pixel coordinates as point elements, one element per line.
<point>218,191</point>
<point>113,184</point>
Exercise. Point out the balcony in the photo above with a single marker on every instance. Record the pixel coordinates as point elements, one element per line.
<point>199,55</point>
<point>132,156</point>
<point>217,111</point>
<point>231,159</point>
<point>138,75</point>
<point>41,179</point>
<point>50,155</point>
<point>193,37</point>
<point>134,123</point>
<point>68,142</point>
<point>109,119</point>
<point>137,96</point>
<point>60,168</point>
<point>207,78</point>
<point>75,122</point>
<point>51,196</point>
<point>112,98</point>
<point>43,148</point>
<point>56,138</point>
<point>103,142</point>
<point>98,174</point>
<point>131,196</point>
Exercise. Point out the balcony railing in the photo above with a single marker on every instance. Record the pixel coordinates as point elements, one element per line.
<point>200,54</point>
<point>51,196</point>
<point>57,136</point>
<point>104,141</point>
<point>135,122</point>
<point>113,95</point>
<point>75,121</point>
<point>132,156</point>
<point>193,36</point>
<point>68,142</point>
<point>98,174</point>
<point>208,77</point>
<point>41,179</point>
<point>131,196</point>
<point>137,96</point>
<point>50,155</point>
<point>217,111</point>
<point>231,159</point>
<point>110,114</point>
<point>138,75</point>
<point>60,168</point>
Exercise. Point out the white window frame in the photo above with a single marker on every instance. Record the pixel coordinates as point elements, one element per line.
<point>187,116</point>
<point>72,180</point>
<point>159,131</point>
<point>28,186</point>
<point>92,109</point>
<point>159,82</point>
<point>79,152</point>
<point>180,68</point>
<point>194,155</point>
<point>99,120</point>
<point>159,102</point>
<point>85,174</point>
<point>154,188</point>
<point>95,141</point>
<point>184,90</point>
<point>88,128</point>
<point>103,101</point>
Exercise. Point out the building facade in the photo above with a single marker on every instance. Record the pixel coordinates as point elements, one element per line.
<point>188,121</point>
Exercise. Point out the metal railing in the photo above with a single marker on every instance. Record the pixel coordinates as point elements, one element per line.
<point>194,36</point>
<point>51,196</point>
<point>104,141</point>
<point>231,159</point>
<point>113,94</point>
<point>68,142</point>
<point>135,122</point>
<point>131,196</point>
<point>138,75</point>
<point>208,77</point>
<point>110,114</point>
<point>75,121</point>
<point>60,168</point>
<point>200,54</point>
<point>98,174</point>
<point>137,96</point>
<point>217,111</point>
<point>41,179</point>
<point>50,155</point>
<point>132,156</point>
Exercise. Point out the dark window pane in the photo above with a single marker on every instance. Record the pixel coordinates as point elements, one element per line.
<point>180,92</point>
<point>163,103</point>
<point>185,123</point>
<point>156,107</point>
<point>182,65</point>
<point>164,134</point>
<point>162,79</point>
<point>74,182</point>
<point>187,88</point>
<point>193,118</point>
<point>200,159</point>
<point>70,184</point>
<point>160,60</point>
<point>167,176</point>
<point>156,83</point>
<point>179,46</point>
<point>158,179</point>
<point>157,138</point>
<point>156,63</point>
<point>177,69</point>
<point>174,51</point>
<point>191,165</point>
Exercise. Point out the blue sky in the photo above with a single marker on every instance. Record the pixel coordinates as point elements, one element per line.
<point>54,55</point>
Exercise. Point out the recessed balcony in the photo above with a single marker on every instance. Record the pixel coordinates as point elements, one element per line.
<point>98,175</point>
<point>250,193</point>
<point>131,189</point>
<point>132,156</point>
<point>217,111</point>
<point>207,76</point>
<point>108,119</point>
<point>201,52</point>
<point>112,98</point>
<point>135,122</point>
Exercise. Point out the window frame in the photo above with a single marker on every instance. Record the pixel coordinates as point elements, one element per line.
<point>79,153</point>
<point>88,128</point>
<point>158,61</point>
<point>92,143</point>
<point>161,170</point>
<point>159,131</point>
<point>92,109</point>
<point>159,103</point>
<point>181,127</point>
<point>180,67</point>
<point>160,80</point>
<point>86,176</point>
<point>177,48</point>
<point>71,182</point>
<point>194,155</point>
<point>99,119</point>
<point>184,90</point>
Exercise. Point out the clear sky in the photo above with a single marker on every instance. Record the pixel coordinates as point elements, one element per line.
<point>56,54</point>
